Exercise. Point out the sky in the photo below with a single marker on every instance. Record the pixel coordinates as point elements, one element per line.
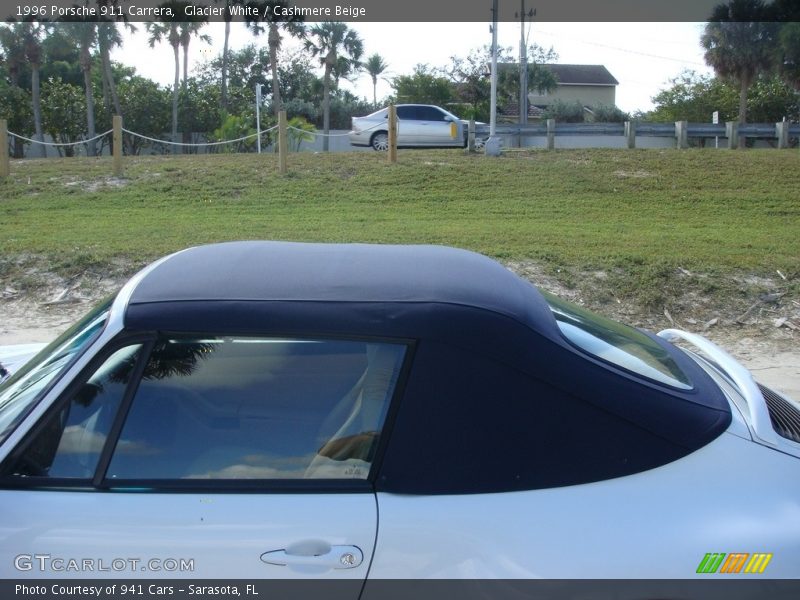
<point>643,57</point>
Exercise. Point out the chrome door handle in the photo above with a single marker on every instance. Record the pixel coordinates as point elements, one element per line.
<point>315,554</point>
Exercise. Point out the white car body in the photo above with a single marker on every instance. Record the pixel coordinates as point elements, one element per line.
<point>418,125</point>
<point>739,493</point>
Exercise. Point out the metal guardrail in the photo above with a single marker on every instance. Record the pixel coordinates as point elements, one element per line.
<point>694,130</point>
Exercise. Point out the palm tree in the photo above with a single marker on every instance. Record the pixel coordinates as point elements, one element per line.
<point>375,66</point>
<point>187,30</point>
<point>228,17</point>
<point>84,34</point>
<point>292,24</point>
<point>339,50</point>
<point>108,37</point>
<point>12,43</point>
<point>787,12</point>
<point>739,44</point>
<point>32,42</point>
<point>170,31</point>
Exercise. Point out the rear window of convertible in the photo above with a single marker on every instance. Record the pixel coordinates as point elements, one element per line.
<point>618,344</point>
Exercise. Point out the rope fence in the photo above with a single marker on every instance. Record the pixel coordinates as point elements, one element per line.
<point>199,144</point>
<point>59,144</point>
<point>475,137</point>
<point>117,147</point>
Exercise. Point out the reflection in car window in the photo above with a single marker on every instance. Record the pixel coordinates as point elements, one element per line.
<point>254,408</point>
<point>616,343</point>
<point>407,112</point>
<point>21,391</point>
<point>70,442</point>
<point>429,113</point>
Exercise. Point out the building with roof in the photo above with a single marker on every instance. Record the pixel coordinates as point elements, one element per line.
<point>590,85</point>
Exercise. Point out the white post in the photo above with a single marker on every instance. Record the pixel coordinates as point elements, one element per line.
<point>715,121</point>
<point>492,147</point>
<point>258,117</point>
<point>782,133</point>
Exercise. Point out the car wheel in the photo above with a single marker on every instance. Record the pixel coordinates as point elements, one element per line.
<point>380,141</point>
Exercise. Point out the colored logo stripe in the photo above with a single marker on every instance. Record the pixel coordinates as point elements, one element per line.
<point>732,563</point>
<point>710,562</point>
<point>758,563</point>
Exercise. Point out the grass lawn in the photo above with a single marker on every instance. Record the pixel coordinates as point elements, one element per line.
<point>643,213</point>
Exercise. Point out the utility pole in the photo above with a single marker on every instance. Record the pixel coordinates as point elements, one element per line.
<point>523,62</point>
<point>258,117</point>
<point>492,146</point>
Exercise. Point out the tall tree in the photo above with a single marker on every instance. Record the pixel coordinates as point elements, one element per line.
<point>32,42</point>
<point>787,12</point>
<point>270,13</point>
<point>375,66</point>
<point>693,97</point>
<point>12,43</point>
<point>227,17</point>
<point>169,31</point>
<point>471,83</point>
<point>339,50</point>
<point>739,44</point>
<point>84,35</point>
<point>246,67</point>
<point>108,37</point>
<point>423,86</point>
<point>188,30</point>
<point>539,78</point>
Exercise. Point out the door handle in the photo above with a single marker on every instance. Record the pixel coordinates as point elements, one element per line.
<point>314,553</point>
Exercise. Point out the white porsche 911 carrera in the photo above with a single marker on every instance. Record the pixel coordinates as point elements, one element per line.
<point>362,412</point>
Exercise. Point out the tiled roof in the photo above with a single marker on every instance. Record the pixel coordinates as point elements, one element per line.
<point>586,74</point>
<point>576,74</point>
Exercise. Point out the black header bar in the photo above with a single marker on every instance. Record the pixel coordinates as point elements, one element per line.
<point>423,11</point>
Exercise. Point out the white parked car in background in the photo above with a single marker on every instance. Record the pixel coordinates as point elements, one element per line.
<point>418,125</point>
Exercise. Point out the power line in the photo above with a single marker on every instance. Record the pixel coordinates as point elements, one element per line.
<point>625,50</point>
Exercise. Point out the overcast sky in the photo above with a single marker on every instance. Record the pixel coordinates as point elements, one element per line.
<point>642,56</point>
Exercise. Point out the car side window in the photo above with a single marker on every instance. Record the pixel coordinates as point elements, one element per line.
<point>256,408</point>
<point>407,112</point>
<point>429,113</point>
<point>68,443</point>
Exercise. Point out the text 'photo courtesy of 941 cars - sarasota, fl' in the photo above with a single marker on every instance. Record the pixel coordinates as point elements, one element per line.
<point>365,412</point>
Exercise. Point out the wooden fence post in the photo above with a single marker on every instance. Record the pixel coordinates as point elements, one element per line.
<point>5,168</point>
<point>471,137</point>
<point>630,134</point>
<point>732,133</point>
<point>116,141</point>
<point>551,134</point>
<point>392,133</point>
<point>782,133</point>
<point>283,141</point>
<point>681,135</point>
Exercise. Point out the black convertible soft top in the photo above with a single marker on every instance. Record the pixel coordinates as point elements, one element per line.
<point>330,273</point>
<point>496,398</point>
